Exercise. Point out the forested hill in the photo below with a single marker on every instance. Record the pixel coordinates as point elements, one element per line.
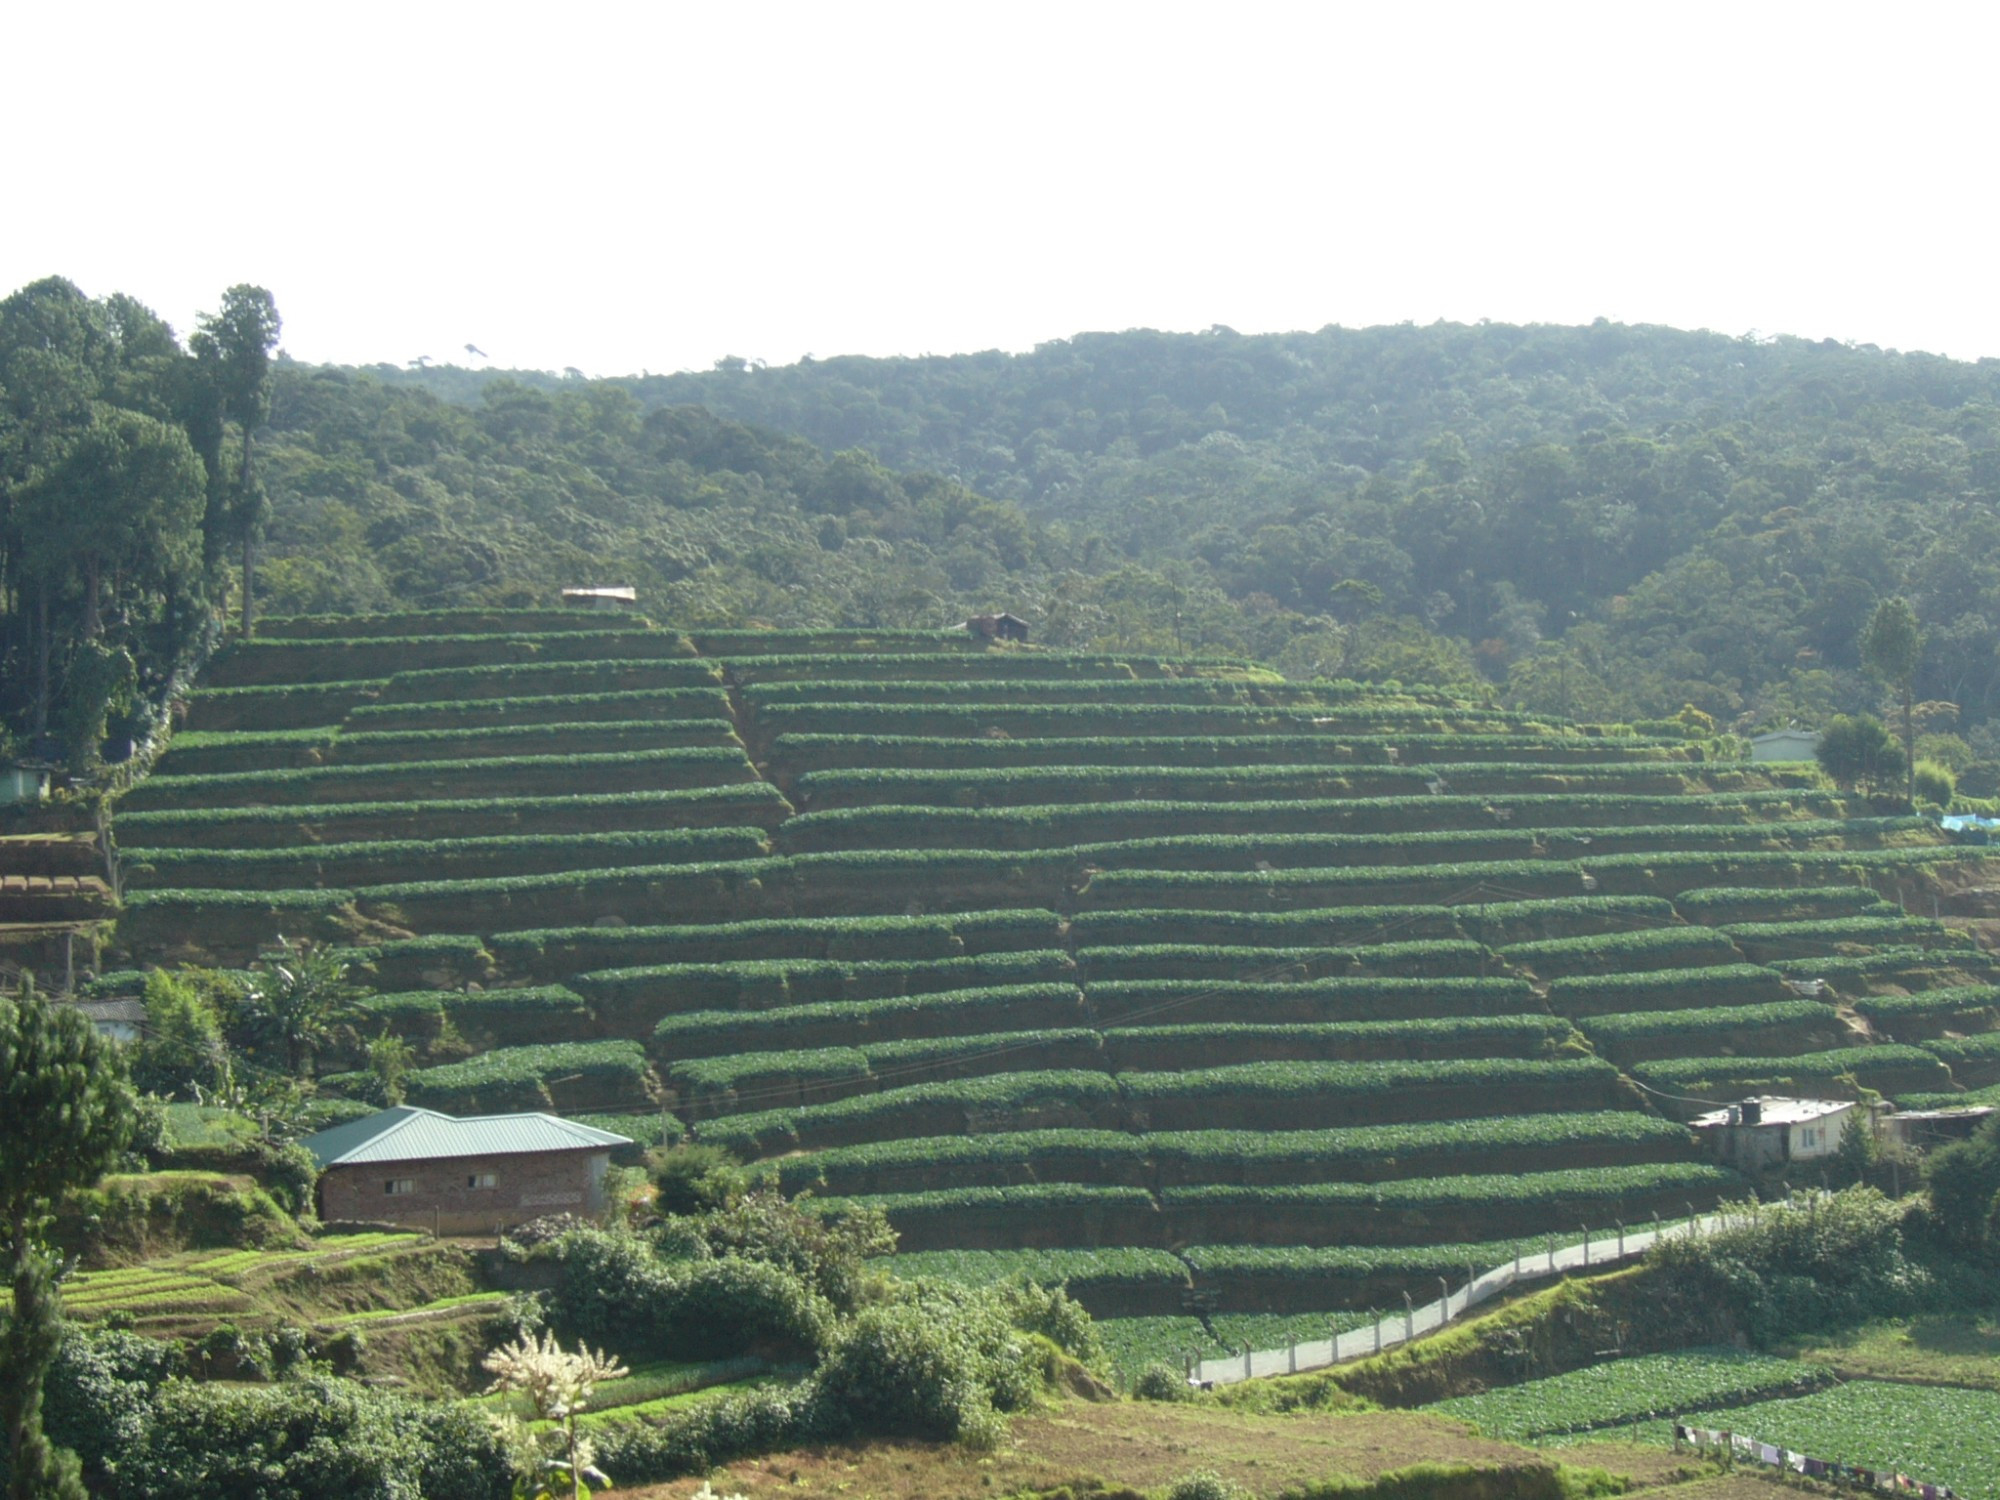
<point>1694,517</point>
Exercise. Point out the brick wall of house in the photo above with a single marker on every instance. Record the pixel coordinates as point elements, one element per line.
<point>525,1187</point>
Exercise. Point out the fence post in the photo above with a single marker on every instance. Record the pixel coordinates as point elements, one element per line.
<point>1409,1319</point>
<point>1586,1245</point>
<point>1621,1239</point>
<point>1292,1360</point>
<point>1246,1361</point>
<point>1552,1253</point>
<point>1378,1335</point>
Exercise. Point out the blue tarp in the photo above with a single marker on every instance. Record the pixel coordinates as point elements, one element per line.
<point>1969,826</point>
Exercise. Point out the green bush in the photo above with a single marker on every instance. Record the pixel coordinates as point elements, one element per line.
<point>936,1364</point>
<point>694,1179</point>
<point>1204,1484</point>
<point>314,1439</point>
<point>1781,1269</point>
<point>616,1292</point>
<point>1158,1382</point>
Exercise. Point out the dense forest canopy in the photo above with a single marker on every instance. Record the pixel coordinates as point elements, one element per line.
<point>126,475</point>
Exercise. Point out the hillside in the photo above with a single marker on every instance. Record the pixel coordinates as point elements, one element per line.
<point>1617,519</point>
<point>1225,999</point>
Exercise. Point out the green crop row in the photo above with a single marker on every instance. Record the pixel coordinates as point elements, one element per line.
<point>739,804</point>
<point>1022,1100</point>
<point>1292,1263</point>
<point>831,642</point>
<point>1011,691</point>
<point>901,1165</point>
<point>1318,850</point>
<point>1432,845</point>
<point>1162,1048</point>
<point>375,746</point>
<point>1361,1080</point>
<point>1981,1050</point>
<point>567,1074</point>
<point>449,684</point>
<point>756,984</point>
<point>272,661</point>
<point>438,622</point>
<point>1275,1095</point>
<point>1075,720</point>
<point>1033,825</point>
<point>1367,1152</point>
<point>933,752</point>
<point>1758,904</point>
<point>363,862</point>
<point>1672,989</point>
<point>1890,965</point>
<point>1040,784</point>
<point>746,1081</point>
<point>1318,1212</point>
<point>1473,1190</point>
<point>566,640</point>
<point>1717,1021</point>
<point>1792,939</point>
<point>1430,957</point>
<point>1289,929</point>
<point>941,666</point>
<point>490,1017</point>
<point>1611,952</point>
<point>1972,1002</point>
<point>1226,1043</point>
<point>1502,922</point>
<point>1890,1069</point>
<point>1344,998</point>
<point>1026,1007</point>
<point>1072,1268</point>
<point>655,705</point>
<point>1649,1386</point>
<point>570,950</point>
<point>639,769</point>
<point>1662,872</point>
<point>266,708</point>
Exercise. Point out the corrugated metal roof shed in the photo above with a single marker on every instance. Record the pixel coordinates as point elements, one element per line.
<point>406,1133</point>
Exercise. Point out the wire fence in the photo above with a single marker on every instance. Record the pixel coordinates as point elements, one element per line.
<point>1595,1249</point>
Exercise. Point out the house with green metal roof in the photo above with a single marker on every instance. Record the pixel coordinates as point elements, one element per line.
<point>476,1175</point>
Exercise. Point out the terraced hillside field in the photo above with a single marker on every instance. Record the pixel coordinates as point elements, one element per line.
<point>1211,994</point>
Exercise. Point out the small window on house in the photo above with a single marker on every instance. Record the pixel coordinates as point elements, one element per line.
<point>397,1187</point>
<point>481,1180</point>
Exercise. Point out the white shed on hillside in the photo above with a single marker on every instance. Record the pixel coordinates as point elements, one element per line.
<point>1755,1134</point>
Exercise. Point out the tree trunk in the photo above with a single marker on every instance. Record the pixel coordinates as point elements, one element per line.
<point>249,531</point>
<point>1909,744</point>
<point>42,663</point>
<point>249,572</point>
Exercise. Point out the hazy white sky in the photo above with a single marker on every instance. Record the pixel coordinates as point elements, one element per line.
<point>651,186</point>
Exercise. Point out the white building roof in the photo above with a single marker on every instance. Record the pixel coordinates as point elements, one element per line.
<point>1774,1111</point>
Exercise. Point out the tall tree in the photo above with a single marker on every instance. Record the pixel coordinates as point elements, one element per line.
<point>1892,646</point>
<point>69,1113</point>
<point>233,348</point>
<point>57,349</point>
